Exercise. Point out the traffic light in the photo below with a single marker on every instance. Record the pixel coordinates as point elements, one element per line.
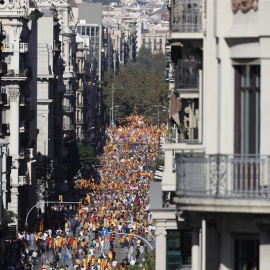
<point>61,198</point>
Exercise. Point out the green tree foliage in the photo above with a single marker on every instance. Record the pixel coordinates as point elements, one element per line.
<point>86,154</point>
<point>79,154</point>
<point>11,217</point>
<point>44,174</point>
<point>148,264</point>
<point>139,85</point>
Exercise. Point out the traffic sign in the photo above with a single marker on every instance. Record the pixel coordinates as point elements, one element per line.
<point>104,232</point>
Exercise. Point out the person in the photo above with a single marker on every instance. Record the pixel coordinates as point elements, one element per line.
<point>132,262</point>
<point>65,257</point>
<point>56,258</point>
<point>43,258</point>
<point>34,257</point>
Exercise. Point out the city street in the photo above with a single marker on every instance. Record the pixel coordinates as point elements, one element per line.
<point>110,225</point>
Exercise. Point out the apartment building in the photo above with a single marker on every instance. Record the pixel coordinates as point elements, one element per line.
<point>90,27</point>
<point>216,176</point>
<point>38,96</point>
<point>16,113</point>
<point>155,40</point>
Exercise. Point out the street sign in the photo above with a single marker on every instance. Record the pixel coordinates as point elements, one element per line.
<point>104,232</point>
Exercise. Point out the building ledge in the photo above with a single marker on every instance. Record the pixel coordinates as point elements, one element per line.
<point>44,101</point>
<point>223,206</point>
<point>186,35</point>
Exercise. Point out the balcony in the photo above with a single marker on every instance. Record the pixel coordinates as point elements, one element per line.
<point>186,267</point>
<point>186,18</point>
<point>223,183</point>
<point>68,109</point>
<point>23,47</point>
<point>22,180</point>
<point>68,127</point>
<point>186,76</point>
<point>4,130</point>
<point>69,93</point>
<point>7,48</point>
<point>22,74</point>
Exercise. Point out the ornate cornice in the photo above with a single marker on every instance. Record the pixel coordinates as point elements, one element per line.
<point>14,5</point>
<point>52,2</point>
<point>14,94</point>
<point>244,5</point>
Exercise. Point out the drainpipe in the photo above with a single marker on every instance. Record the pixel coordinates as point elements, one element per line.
<point>203,244</point>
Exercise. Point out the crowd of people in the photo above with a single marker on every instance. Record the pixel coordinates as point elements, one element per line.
<point>114,213</point>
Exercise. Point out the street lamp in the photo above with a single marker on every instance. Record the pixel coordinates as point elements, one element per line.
<point>112,114</point>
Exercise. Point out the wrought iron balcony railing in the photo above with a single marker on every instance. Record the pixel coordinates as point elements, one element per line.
<point>69,93</point>
<point>223,176</point>
<point>186,74</point>
<point>186,16</point>
<point>18,73</point>
<point>186,267</point>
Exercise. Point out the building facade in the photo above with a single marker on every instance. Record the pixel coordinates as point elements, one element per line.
<point>217,174</point>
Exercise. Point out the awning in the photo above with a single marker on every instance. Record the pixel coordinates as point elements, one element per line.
<point>176,118</point>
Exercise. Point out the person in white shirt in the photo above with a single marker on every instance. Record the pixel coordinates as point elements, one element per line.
<point>133,261</point>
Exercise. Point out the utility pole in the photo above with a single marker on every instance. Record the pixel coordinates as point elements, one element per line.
<point>112,123</point>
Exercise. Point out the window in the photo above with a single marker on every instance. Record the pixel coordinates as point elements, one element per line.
<point>246,254</point>
<point>3,89</point>
<point>247,109</point>
<point>83,30</point>
<point>92,31</point>
<point>79,29</point>
<point>178,249</point>
<point>88,31</point>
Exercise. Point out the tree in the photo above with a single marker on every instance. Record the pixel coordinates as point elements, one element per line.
<point>147,264</point>
<point>86,154</point>
<point>44,175</point>
<point>79,155</point>
<point>139,84</point>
